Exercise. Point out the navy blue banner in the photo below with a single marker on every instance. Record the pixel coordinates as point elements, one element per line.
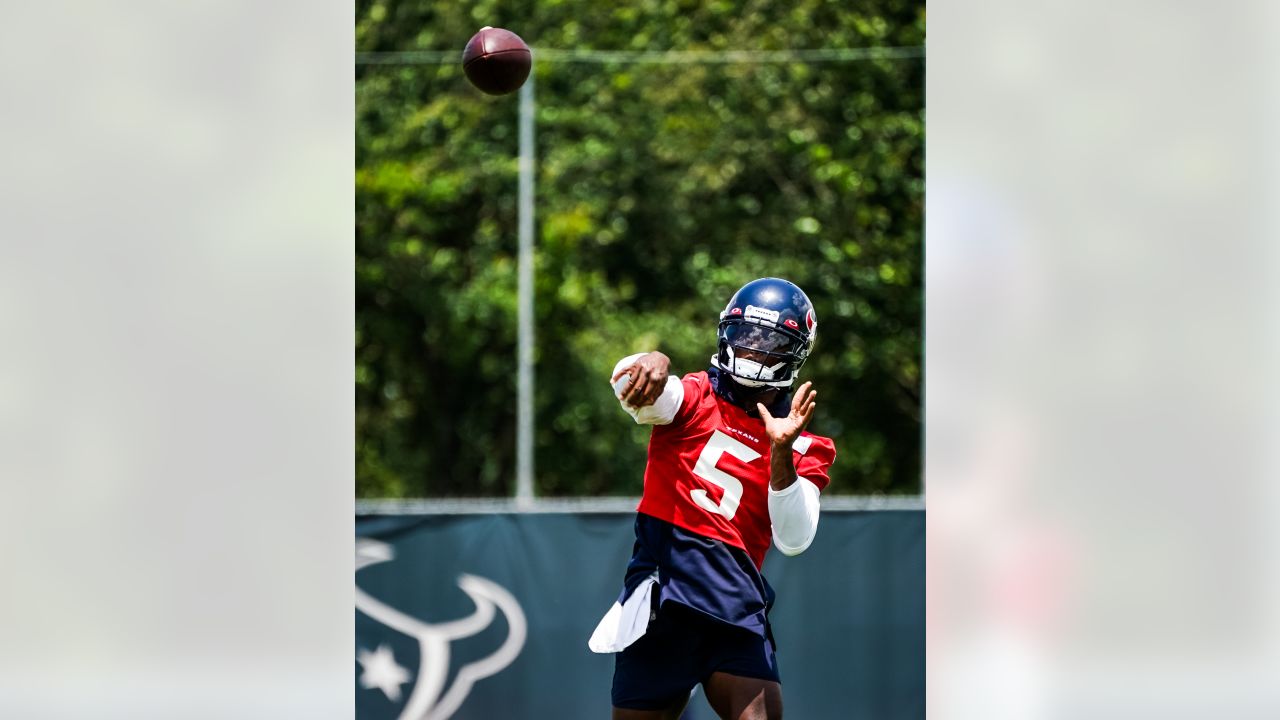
<point>479,617</point>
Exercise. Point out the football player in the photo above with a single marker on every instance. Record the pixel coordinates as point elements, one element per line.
<point>731,468</point>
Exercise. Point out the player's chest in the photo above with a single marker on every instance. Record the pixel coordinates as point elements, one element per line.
<point>726,463</point>
<point>728,442</point>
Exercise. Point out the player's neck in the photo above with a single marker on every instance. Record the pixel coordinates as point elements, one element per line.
<point>745,397</point>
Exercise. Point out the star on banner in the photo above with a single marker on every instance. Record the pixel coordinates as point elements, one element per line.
<point>382,671</point>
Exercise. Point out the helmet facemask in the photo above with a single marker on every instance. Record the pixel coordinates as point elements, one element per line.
<point>757,355</point>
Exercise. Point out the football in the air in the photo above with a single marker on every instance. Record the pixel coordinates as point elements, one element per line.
<point>497,61</point>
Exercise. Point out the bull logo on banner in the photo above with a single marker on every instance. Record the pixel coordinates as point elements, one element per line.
<point>430,699</point>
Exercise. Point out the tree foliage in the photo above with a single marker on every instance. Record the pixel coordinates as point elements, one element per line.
<point>661,188</point>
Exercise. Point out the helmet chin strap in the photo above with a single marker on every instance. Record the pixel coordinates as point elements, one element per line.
<point>750,383</point>
<point>729,387</point>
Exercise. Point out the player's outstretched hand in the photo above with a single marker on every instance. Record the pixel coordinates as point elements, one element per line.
<point>784,430</point>
<point>648,379</point>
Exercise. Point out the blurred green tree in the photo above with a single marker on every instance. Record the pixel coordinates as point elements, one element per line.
<point>661,188</point>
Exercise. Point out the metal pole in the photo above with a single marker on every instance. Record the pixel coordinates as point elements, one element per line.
<point>524,409</point>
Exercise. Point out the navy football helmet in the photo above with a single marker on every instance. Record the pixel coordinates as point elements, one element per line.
<point>766,332</point>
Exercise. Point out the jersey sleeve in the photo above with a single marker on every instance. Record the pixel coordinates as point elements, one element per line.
<point>695,386</point>
<point>813,456</point>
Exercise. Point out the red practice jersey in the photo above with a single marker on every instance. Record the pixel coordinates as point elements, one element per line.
<point>708,470</point>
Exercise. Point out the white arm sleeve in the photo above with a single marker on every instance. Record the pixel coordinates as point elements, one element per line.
<point>794,514</point>
<point>663,410</point>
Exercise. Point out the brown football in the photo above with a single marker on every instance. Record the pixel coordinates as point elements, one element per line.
<point>497,61</point>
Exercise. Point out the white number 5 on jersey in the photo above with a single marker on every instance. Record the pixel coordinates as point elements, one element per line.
<point>706,469</point>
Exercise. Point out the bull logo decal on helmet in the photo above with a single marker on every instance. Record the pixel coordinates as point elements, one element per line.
<point>430,699</point>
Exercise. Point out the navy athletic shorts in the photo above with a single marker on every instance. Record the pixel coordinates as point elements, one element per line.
<point>680,650</point>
